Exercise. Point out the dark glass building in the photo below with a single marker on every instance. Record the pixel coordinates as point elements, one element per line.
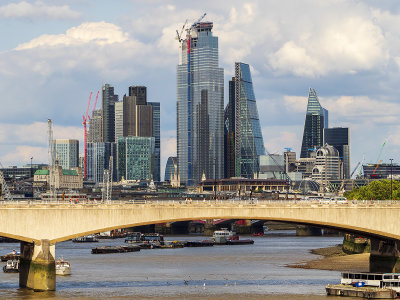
<point>157,140</point>
<point>339,138</point>
<point>316,121</point>
<point>381,171</point>
<point>243,138</point>
<point>108,107</point>
<point>170,167</point>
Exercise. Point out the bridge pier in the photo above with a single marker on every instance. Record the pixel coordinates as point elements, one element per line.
<point>385,256</point>
<point>37,266</point>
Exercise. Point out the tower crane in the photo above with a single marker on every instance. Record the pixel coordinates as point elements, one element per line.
<point>52,181</point>
<point>95,103</point>
<point>179,34</point>
<point>84,123</point>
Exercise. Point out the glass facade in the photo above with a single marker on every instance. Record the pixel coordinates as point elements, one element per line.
<point>170,167</point>
<point>200,107</point>
<point>108,107</point>
<point>243,138</point>
<point>136,158</point>
<point>339,138</point>
<point>67,153</point>
<point>157,140</point>
<point>316,121</point>
<point>99,160</point>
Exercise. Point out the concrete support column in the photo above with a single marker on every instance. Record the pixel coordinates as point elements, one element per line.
<point>37,266</point>
<point>385,256</point>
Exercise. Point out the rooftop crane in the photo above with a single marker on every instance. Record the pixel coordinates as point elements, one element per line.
<point>380,152</point>
<point>179,34</point>
<point>95,103</point>
<point>84,123</point>
<point>355,169</point>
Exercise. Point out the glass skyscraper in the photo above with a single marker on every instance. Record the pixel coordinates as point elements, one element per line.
<point>200,106</point>
<point>243,138</point>
<point>339,137</point>
<point>136,157</point>
<point>99,155</point>
<point>157,140</point>
<point>316,121</point>
<point>170,167</point>
<point>108,107</point>
<point>67,153</point>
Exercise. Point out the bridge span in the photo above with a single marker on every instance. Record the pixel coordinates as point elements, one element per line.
<point>39,226</point>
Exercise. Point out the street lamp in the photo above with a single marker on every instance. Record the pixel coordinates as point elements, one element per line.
<point>391,179</point>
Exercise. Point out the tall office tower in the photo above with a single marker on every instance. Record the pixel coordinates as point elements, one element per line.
<point>136,157</point>
<point>243,138</point>
<point>95,132</point>
<point>157,140</point>
<point>339,137</point>
<point>316,121</point>
<point>67,153</point>
<point>138,115</point>
<point>99,160</point>
<point>170,168</point>
<point>119,120</point>
<point>200,106</point>
<point>108,107</point>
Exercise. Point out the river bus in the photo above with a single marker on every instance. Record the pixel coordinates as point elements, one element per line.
<point>381,280</point>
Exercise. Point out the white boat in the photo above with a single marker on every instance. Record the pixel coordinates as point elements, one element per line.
<point>63,267</point>
<point>380,280</point>
<point>12,266</point>
<point>222,236</point>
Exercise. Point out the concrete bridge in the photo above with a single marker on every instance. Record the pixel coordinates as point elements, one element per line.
<point>39,226</point>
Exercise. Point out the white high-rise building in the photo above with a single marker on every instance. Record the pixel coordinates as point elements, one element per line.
<point>67,153</point>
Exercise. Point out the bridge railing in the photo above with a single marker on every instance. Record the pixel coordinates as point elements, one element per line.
<point>184,202</point>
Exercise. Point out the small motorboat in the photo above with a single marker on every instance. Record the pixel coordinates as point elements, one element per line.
<point>63,267</point>
<point>12,266</point>
<point>14,255</point>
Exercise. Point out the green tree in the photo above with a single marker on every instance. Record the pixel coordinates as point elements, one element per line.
<point>377,190</point>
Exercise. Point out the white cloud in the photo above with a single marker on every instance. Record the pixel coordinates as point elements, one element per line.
<point>100,33</point>
<point>37,10</point>
<point>348,45</point>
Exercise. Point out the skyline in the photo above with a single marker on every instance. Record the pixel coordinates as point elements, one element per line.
<point>354,70</point>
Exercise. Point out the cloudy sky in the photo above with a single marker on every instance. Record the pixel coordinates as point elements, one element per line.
<point>54,53</point>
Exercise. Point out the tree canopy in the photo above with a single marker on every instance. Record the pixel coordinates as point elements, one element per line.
<point>377,190</point>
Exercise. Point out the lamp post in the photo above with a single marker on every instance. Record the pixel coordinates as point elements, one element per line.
<point>391,179</point>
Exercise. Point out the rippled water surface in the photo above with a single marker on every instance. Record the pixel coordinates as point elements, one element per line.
<point>221,272</point>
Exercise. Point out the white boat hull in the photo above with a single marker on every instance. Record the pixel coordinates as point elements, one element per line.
<point>63,271</point>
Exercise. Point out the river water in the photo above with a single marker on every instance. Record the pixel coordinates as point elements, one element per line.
<point>221,272</point>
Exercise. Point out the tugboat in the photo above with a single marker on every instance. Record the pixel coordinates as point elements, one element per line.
<point>226,237</point>
<point>14,255</point>
<point>12,266</point>
<point>63,267</point>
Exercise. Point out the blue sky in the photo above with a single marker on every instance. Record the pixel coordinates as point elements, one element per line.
<point>54,53</point>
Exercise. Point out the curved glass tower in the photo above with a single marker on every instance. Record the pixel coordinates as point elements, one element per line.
<point>200,106</point>
<point>316,121</point>
<point>243,138</point>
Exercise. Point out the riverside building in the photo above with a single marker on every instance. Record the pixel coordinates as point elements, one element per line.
<point>200,106</point>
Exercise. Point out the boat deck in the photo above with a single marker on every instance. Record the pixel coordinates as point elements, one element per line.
<point>361,292</point>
